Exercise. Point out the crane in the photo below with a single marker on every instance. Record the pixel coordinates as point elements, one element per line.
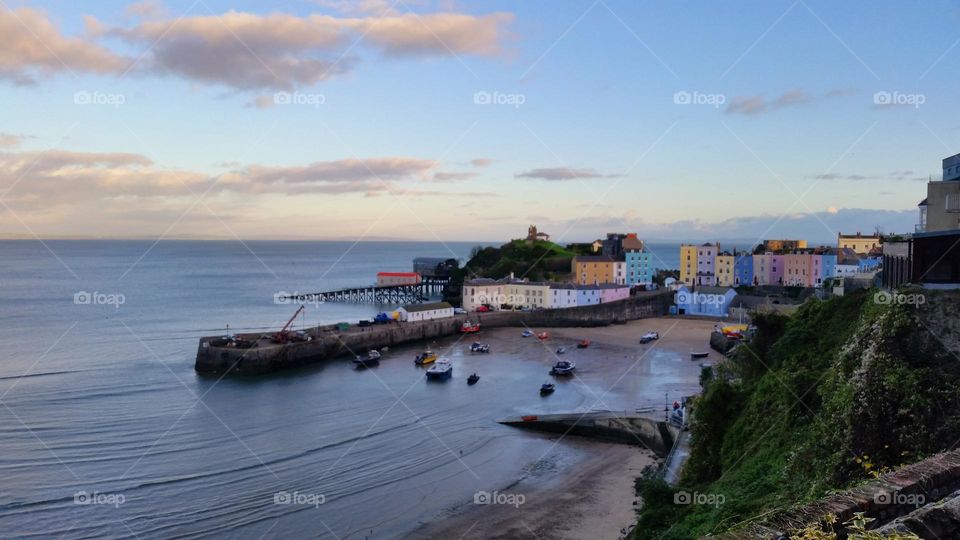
<point>283,335</point>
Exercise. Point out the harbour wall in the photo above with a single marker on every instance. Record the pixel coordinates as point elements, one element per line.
<point>657,436</point>
<point>330,342</point>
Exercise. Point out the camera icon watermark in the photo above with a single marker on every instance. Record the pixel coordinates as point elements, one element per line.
<point>897,498</point>
<point>710,499</point>
<point>95,298</point>
<point>299,98</point>
<point>88,498</point>
<point>885,298</point>
<point>84,97</point>
<point>297,498</point>
<point>684,97</point>
<point>884,98</point>
<point>484,97</point>
<point>283,298</point>
<point>497,497</point>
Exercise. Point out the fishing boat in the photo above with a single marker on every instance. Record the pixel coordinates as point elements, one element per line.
<point>527,333</point>
<point>479,347</point>
<point>694,355</point>
<point>546,389</point>
<point>561,350</point>
<point>584,343</point>
<point>563,368</point>
<point>372,359</point>
<point>469,328</point>
<point>426,357</point>
<point>543,335</point>
<point>649,336</point>
<point>441,369</point>
<point>472,379</point>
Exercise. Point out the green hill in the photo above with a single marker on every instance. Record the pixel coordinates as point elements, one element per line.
<point>844,390</point>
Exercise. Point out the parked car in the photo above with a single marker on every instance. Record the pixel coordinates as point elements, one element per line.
<point>483,309</point>
<point>459,311</point>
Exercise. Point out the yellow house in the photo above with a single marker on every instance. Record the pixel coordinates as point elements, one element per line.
<point>688,264</point>
<point>525,294</point>
<point>593,269</point>
<point>483,291</point>
<point>860,245</point>
<point>724,270</point>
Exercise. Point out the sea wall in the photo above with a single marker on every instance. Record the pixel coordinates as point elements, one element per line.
<point>657,436</point>
<point>329,342</point>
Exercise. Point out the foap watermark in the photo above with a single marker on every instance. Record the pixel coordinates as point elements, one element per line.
<point>710,499</point>
<point>97,97</point>
<point>298,498</point>
<point>684,97</point>
<point>96,298</point>
<point>109,499</point>
<point>299,98</point>
<point>284,298</point>
<point>499,98</point>
<point>687,297</point>
<point>897,498</point>
<point>884,98</point>
<point>885,298</point>
<point>497,497</point>
<point>502,299</point>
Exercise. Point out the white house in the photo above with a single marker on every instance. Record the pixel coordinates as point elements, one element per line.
<point>425,312</point>
<point>563,295</point>
<point>477,292</point>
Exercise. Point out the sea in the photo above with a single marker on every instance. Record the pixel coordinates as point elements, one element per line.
<point>106,430</point>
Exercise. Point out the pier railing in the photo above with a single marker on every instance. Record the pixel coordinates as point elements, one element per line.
<point>390,294</point>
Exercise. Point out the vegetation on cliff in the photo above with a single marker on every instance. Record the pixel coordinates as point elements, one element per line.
<point>536,261</point>
<point>842,391</point>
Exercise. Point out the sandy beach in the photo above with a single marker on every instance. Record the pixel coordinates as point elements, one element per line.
<point>596,499</point>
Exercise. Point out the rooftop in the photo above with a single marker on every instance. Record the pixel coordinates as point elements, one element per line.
<point>426,307</point>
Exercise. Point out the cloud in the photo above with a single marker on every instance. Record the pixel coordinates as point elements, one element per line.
<point>453,176</point>
<point>563,173</point>
<point>9,140</point>
<point>241,51</point>
<point>31,47</point>
<point>481,162</point>
<point>757,104</point>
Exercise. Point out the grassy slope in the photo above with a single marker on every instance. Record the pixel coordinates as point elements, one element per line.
<point>821,401</point>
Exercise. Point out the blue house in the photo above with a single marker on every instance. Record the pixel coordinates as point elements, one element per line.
<point>587,295</point>
<point>829,263</point>
<point>868,264</point>
<point>704,300</point>
<point>743,269</point>
<point>640,267</point>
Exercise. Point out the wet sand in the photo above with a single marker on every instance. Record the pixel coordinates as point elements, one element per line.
<point>596,499</point>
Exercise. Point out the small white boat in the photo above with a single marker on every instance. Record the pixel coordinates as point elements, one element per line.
<point>527,333</point>
<point>440,370</point>
<point>649,336</point>
<point>561,350</point>
<point>372,359</point>
<point>479,347</point>
<point>563,367</point>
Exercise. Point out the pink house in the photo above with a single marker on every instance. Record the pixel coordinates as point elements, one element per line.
<point>611,292</point>
<point>776,269</point>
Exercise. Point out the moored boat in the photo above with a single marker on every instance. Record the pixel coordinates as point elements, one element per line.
<point>563,367</point>
<point>543,335</point>
<point>440,370</point>
<point>426,357</point>
<point>472,379</point>
<point>561,350</point>
<point>479,347</point>
<point>584,343</point>
<point>469,327</point>
<point>649,336</point>
<point>547,389</point>
<point>699,354</point>
<point>372,359</point>
<point>527,333</point>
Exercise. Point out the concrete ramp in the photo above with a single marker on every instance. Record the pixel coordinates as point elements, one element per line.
<point>625,428</point>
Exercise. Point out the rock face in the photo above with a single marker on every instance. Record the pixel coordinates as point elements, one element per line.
<point>657,436</point>
<point>329,342</point>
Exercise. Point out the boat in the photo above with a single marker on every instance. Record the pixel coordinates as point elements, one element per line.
<point>527,333</point>
<point>479,347</point>
<point>561,350</point>
<point>649,336</point>
<point>426,357</point>
<point>563,368</point>
<point>543,335</point>
<point>699,354</point>
<point>472,379</point>
<point>547,389</point>
<point>440,370</point>
<point>584,343</point>
<point>372,359</point>
<point>469,328</point>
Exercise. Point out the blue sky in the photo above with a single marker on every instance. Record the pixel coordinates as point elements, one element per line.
<point>588,138</point>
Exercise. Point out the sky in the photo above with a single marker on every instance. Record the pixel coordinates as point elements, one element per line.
<point>454,120</point>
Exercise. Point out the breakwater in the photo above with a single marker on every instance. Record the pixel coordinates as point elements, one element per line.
<point>325,342</point>
<point>657,436</point>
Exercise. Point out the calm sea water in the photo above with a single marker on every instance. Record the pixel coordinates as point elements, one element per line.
<point>99,401</point>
